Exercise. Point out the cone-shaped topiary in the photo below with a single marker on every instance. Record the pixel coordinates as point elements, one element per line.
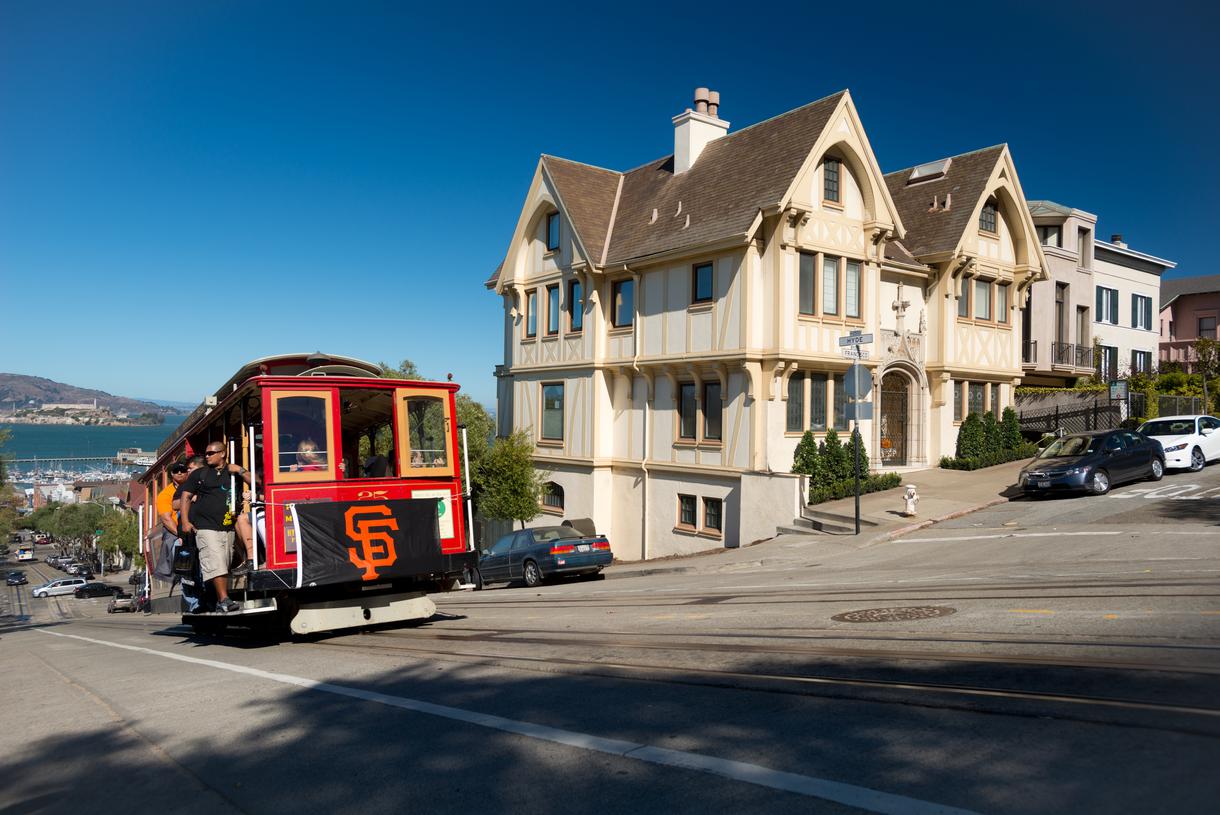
<point>1010,430</point>
<point>971,438</point>
<point>993,442</point>
<point>805,459</point>
<point>834,457</point>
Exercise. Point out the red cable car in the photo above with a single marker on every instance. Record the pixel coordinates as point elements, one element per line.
<point>358,510</point>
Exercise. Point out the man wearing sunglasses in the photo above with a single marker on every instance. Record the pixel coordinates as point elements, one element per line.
<point>204,506</point>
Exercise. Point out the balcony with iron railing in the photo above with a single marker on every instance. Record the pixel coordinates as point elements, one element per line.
<point>1063,353</point>
<point>1084,356</point>
<point>1029,352</point>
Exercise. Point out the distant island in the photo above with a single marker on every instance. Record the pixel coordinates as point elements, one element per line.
<point>36,400</point>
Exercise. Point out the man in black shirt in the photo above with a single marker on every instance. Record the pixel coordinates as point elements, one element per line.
<point>204,505</point>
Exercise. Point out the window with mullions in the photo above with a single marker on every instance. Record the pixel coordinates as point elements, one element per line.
<point>1141,312</point>
<point>552,497</point>
<point>713,410</point>
<point>851,289</point>
<point>963,301</point>
<point>982,299</point>
<point>687,511</point>
<point>796,404</point>
<point>701,283</point>
<point>688,411</point>
<point>1207,328</point>
<point>840,415</point>
<point>806,286</point>
<point>531,314</point>
<point>713,513</point>
<point>1107,305</point>
<point>1141,362</point>
<point>977,398</point>
<point>987,218</point>
<point>622,296</point>
<point>552,411</point>
<point>552,310</point>
<point>830,285</point>
<point>576,307</point>
<point>958,400</point>
<point>1001,303</point>
<point>817,401</point>
<point>552,232</point>
<point>830,180</point>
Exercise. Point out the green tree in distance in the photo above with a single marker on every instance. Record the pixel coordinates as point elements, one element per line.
<point>511,487</point>
<point>118,534</point>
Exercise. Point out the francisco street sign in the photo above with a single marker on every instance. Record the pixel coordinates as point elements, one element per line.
<point>857,382</point>
<point>856,339</point>
<point>854,352</point>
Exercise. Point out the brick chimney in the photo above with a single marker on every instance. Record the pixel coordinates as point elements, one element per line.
<point>695,129</point>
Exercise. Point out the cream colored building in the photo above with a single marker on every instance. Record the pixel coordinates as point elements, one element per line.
<point>671,331</point>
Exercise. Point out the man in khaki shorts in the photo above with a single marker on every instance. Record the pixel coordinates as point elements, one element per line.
<point>205,513</point>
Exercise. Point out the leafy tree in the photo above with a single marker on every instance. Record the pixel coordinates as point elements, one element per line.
<point>993,440</point>
<point>76,523</point>
<point>479,430</point>
<point>805,459</point>
<point>834,455</point>
<point>1152,403</point>
<point>511,487</point>
<point>1010,430</point>
<point>1207,365</point>
<point>405,370</point>
<point>118,534</point>
<point>10,502</point>
<point>971,438</point>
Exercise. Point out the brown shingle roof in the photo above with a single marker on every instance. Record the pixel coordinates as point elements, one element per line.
<point>940,231</point>
<point>587,194</point>
<point>1199,284</point>
<point>894,250</point>
<point>734,177</point>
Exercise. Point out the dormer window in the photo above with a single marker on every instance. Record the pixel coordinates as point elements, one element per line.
<point>987,218</point>
<point>552,231</point>
<point>830,181</point>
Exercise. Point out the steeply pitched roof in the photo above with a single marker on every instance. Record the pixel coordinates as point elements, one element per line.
<point>721,194</point>
<point>894,250</point>
<point>587,194</point>
<point>929,232</point>
<point>1199,284</point>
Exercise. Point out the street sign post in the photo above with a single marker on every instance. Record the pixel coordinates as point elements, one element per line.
<point>857,383</point>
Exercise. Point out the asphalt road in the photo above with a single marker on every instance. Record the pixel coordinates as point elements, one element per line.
<point>1060,661</point>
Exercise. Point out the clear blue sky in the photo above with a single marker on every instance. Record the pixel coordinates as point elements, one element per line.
<point>356,168</point>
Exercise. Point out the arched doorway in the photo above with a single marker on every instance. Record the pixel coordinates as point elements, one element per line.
<point>895,425</point>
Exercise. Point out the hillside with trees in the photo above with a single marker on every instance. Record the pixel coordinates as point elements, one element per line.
<point>18,390</point>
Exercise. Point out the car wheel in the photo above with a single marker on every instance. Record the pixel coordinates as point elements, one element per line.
<point>531,574</point>
<point>1197,460</point>
<point>1101,482</point>
<point>1158,469</point>
<point>39,594</point>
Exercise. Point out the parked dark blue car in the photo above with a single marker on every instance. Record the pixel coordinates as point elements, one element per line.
<point>1093,462</point>
<point>533,555</point>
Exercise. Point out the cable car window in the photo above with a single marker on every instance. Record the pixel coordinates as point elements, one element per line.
<point>301,426</point>
<point>423,432</point>
<point>366,427</point>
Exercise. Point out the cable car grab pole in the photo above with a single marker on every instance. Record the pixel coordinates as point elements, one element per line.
<point>466,472</point>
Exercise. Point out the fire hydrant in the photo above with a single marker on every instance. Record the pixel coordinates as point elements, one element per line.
<point>911,499</point>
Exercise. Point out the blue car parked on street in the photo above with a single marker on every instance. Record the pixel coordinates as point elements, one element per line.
<point>533,555</point>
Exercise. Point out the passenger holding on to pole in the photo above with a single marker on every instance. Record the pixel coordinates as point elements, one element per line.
<point>205,512</point>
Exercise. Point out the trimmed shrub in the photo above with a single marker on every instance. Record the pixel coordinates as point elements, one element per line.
<point>805,459</point>
<point>844,489</point>
<point>834,457</point>
<point>1010,430</point>
<point>1026,450</point>
<point>854,441</point>
<point>992,440</point>
<point>1152,404</point>
<point>971,438</point>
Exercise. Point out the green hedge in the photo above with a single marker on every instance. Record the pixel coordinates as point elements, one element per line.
<point>1026,450</point>
<point>875,482</point>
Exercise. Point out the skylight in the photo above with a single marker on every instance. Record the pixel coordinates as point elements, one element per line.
<point>926,172</point>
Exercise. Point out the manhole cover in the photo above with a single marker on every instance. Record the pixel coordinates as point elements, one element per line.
<point>893,615</point>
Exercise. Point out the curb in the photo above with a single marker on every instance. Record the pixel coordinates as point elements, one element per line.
<point>644,572</point>
<point>909,528</point>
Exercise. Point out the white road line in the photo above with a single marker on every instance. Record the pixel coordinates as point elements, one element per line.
<point>1008,535</point>
<point>837,791</point>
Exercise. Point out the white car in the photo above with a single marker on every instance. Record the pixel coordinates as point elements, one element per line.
<point>65,585</point>
<point>1189,441</point>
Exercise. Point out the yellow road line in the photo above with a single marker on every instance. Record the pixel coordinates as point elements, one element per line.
<point>1109,616</point>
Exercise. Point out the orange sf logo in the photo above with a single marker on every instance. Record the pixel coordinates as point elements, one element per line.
<point>372,534</point>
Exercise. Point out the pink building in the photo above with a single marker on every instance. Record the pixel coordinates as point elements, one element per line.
<point>1190,307</point>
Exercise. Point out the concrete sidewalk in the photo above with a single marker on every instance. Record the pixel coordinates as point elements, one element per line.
<point>943,494</point>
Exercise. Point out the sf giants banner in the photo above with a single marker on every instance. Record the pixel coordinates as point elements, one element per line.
<point>364,541</point>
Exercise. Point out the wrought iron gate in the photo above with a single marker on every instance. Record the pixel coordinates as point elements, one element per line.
<point>895,416</point>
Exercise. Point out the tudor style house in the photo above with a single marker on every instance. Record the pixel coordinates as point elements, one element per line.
<point>1095,314</point>
<point>671,331</point>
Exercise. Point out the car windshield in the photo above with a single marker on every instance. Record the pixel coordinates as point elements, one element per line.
<point>1168,427</point>
<point>550,533</point>
<point>1069,446</point>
